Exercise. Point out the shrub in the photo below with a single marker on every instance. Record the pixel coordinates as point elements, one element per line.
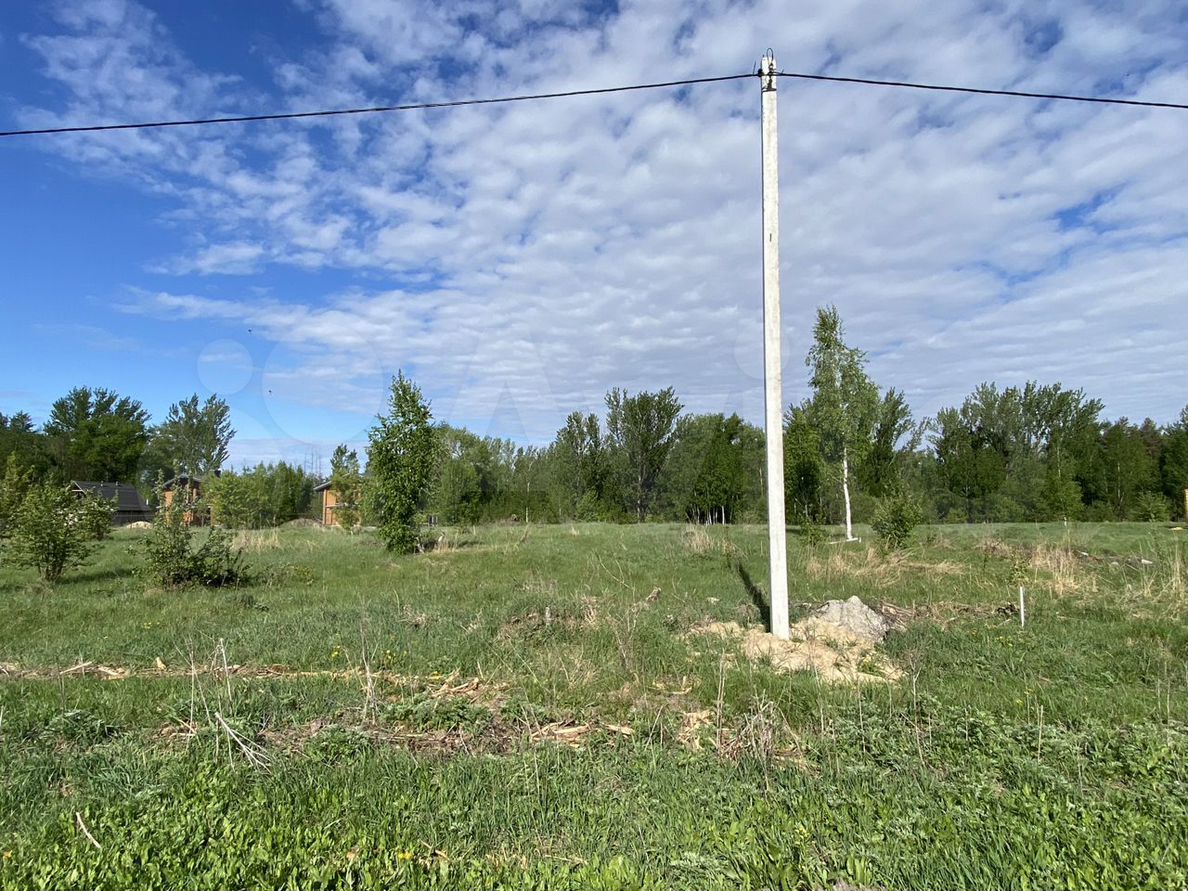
<point>589,508</point>
<point>173,561</point>
<point>956,515</point>
<point>95,515</point>
<point>897,516</point>
<point>48,532</point>
<point>812,532</point>
<point>268,495</point>
<point>1151,507</point>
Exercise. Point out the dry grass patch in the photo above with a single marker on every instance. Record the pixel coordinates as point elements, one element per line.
<point>944,612</point>
<point>1060,571</point>
<point>882,570</point>
<point>255,541</point>
<point>697,541</point>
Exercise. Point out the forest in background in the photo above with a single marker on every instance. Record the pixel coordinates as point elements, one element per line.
<point>1034,452</point>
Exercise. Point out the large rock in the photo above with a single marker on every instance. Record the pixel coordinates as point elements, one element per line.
<point>853,617</point>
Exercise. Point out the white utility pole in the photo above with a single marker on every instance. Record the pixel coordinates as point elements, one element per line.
<point>772,374</point>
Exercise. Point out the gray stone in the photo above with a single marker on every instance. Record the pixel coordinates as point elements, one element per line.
<point>855,617</point>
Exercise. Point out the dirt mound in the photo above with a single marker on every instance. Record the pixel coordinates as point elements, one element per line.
<point>139,524</point>
<point>301,523</point>
<point>837,643</point>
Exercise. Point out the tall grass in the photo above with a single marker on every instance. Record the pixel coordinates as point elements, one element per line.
<point>531,709</point>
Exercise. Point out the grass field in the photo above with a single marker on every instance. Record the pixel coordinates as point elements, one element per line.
<point>528,708</point>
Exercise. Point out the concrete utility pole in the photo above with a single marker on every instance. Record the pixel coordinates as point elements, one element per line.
<point>772,374</point>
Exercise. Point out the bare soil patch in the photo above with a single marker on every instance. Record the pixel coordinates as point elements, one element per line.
<point>834,654</point>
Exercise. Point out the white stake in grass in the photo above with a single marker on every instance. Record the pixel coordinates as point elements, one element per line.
<point>1022,610</point>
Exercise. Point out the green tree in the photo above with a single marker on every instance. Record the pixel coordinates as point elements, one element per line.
<point>528,474</point>
<point>895,436</point>
<point>804,469</point>
<point>97,435</point>
<point>896,517</point>
<point>1025,453</point>
<point>346,482</point>
<point>195,437</point>
<point>267,495</point>
<point>581,461</point>
<point>640,431</point>
<point>18,437</point>
<point>713,470</point>
<point>463,478</point>
<point>1173,463</point>
<point>844,401</point>
<point>401,462</point>
<point>49,532</point>
<point>236,500</point>
<point>18,479</point>
<point>289,491</point>
<point>1060,427</point>
<point>969,462</point>
<point>1129,467</point>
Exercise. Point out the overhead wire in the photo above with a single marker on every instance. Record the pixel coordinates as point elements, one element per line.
<point>564,94</point>
<point>981,91</point>
<point>377,109</point>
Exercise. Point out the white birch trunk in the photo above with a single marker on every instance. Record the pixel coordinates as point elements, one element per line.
<point>846,492</point>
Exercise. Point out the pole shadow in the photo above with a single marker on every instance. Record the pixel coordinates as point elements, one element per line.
<point>758,598</point>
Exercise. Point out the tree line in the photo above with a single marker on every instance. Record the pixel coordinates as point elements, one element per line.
<point>1030,452</point>
<point>1033,452</point>
<point>97,435</point>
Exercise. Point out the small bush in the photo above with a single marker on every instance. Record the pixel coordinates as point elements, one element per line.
<point>897,516</point>
<point>95,514</point>
<point>48,532</point>
<point>173,561</point>
<point>1151,507</point>
<point>812,532</point>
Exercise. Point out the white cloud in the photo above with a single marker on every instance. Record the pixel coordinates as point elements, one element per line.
<point>537,254</point>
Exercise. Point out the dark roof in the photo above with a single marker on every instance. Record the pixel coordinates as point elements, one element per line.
<point>125,496</point>
<point>322,487</point>
<point>186,479</point>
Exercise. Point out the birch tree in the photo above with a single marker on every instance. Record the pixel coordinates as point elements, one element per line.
<point>844,401</point>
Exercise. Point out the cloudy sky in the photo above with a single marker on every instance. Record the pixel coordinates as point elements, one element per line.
<point>519,260</point>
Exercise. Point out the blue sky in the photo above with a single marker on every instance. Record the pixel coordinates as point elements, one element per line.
<point>520,260</point>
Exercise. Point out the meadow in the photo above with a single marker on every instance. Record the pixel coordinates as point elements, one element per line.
<point>527,706</point>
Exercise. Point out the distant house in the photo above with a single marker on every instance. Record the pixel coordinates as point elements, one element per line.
<point>329,503</point>
<point>130,507</point>
<point>189,488</point>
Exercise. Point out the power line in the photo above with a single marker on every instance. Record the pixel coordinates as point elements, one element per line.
<point>293,115</point>
<point>420,106</point>
<point>1103,100</point>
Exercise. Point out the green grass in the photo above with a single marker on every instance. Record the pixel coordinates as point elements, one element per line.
<point>535,718</point>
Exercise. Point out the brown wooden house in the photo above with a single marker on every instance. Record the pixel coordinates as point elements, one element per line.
<point>190,489</point>
<point>329,503</point>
